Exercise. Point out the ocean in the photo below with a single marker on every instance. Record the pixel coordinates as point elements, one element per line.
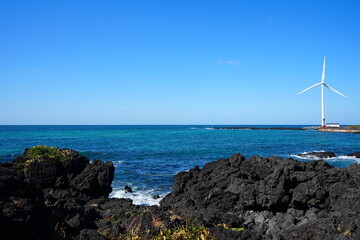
<point>146,158</point>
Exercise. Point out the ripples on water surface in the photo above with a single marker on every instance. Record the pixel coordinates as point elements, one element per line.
<point>147,157</point>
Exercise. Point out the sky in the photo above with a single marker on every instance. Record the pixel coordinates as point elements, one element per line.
<point>178,62</point>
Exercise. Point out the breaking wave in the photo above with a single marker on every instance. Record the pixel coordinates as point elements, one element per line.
<point>139,197</point>
<point>337,161</point>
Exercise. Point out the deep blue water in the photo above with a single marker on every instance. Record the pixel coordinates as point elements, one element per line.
<point>147,157</point>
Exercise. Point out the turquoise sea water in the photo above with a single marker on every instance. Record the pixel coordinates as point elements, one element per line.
<point>147,157</point>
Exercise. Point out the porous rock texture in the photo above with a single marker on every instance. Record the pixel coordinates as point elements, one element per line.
<point>270,198</point>
<point>51,193</point>
<point>43,197</point>
<point>59,194</point>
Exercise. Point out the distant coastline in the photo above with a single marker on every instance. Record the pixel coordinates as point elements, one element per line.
<point>355,129</point>
<point>261,128</point>
<point>341,130</point>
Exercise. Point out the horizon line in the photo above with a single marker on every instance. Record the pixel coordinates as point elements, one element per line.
<point>217,124</point>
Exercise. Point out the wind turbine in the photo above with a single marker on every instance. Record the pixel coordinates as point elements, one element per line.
<point>322,83</point>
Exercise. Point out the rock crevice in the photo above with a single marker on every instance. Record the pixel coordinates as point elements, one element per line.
<point>52,193</point>
<point>271,197</point>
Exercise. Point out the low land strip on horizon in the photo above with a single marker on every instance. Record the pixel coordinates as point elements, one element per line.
<point>347,129</point>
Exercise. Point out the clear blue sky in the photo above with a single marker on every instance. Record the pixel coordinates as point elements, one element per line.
<point>178,62</point>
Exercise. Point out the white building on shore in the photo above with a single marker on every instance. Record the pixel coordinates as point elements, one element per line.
<point>333,125</point>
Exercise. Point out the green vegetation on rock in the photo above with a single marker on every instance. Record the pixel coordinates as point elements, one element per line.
<point>238,229</point>
<point>188,231</point>
<point>43,153</point>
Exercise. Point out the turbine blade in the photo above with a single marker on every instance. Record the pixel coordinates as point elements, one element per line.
<point>332,89</point>
<point>315,85</point>
<point>323,71</point>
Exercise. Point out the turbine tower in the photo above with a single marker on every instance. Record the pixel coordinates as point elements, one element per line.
<point>323,84</point>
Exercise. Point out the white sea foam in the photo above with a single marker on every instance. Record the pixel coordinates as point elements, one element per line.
<point>346,158</point>
<point>308,156</point>
<point>117,163</point>
<point>139,197</point>
<point>349,158</point>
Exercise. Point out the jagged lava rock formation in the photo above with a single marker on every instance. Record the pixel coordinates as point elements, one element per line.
<point>51,193</point>
<point>271,198</point>
<point>43,193</point>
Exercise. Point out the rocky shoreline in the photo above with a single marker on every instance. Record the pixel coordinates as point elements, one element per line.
<point>319,155</point>
<point>51,193</point>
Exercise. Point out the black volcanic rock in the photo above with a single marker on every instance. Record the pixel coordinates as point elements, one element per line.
<point>355,154</point>
<point>270,198</point>
<point>44,191</point>
<point>44,166</point>
<point>128,189</point>
<point>317,155</point>
<point>95,180</point>
<point>51,193</point>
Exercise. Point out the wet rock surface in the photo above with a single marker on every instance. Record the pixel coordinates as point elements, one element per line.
<point>317,155</point>
<point>51,193</point>
<point>355,154</point>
